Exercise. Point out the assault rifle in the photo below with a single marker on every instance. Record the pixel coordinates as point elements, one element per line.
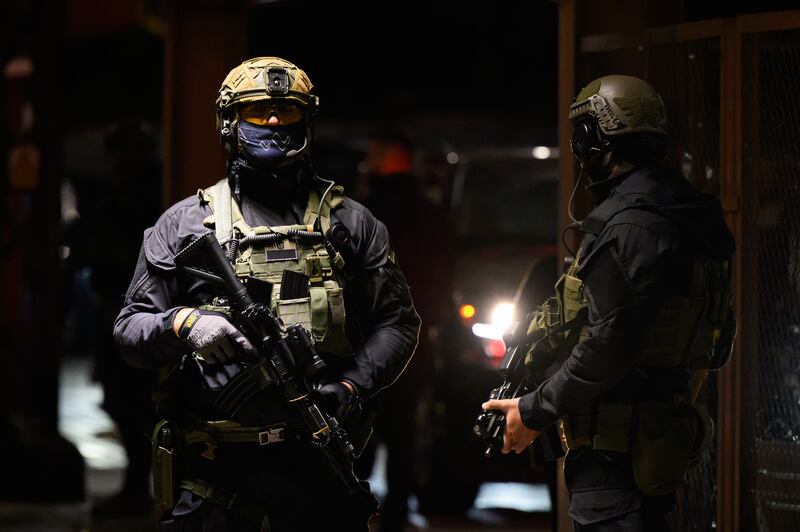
<point>520,378</point>
<point>286,356</point>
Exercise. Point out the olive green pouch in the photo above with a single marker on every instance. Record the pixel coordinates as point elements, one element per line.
<point>295,311</point>
<point>164,444</point>
<point>664,442</point>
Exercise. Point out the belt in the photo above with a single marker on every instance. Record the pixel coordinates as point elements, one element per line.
<point>214,433</point>
<point>227,431</point>
<point>608,428</point>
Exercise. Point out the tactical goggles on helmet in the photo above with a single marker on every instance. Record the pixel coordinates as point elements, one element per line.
<point>258,113</point>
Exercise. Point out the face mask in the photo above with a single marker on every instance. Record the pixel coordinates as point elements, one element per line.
<point>270,146</point>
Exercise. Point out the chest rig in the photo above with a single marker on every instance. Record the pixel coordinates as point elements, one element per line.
<point>691,331</point>
<point>295,259</point>
<point>691,335</point>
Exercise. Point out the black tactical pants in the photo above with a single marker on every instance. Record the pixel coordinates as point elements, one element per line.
<point>289,480</point>
<point>604,496</point>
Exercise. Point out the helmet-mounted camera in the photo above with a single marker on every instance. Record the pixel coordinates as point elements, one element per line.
<point>276,79</point>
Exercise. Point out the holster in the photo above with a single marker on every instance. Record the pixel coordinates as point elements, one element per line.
<point>666,441</point>
<point>166,442</point>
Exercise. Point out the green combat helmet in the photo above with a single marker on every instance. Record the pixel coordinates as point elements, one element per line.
<point>611,109</point>
<point>621,105</point>
<point>260,79</point>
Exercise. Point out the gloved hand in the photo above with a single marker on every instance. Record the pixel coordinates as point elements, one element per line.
<point>212,337</point>
<point>339,401</point>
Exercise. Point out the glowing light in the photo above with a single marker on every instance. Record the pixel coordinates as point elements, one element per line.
<point>541,152</point>
<point>496,348</point>
<point>466,311</point>
<point>502,317</point>
<point>18,67</point>
<point>485,330</point>
<point>452,157</point>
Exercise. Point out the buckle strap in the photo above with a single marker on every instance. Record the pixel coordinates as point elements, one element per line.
<point>226,431</point>
<point>272,435</point>
<point>243,507</point>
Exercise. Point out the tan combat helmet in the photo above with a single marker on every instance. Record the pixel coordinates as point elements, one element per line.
<point>262,78</point>
<point>621,105</point>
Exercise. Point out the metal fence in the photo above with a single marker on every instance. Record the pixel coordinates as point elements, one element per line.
<point>771,354</point>
<point>687,75</point>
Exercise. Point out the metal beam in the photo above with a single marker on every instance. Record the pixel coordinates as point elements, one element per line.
<point>729,381</point>
<point>566,166</point>
<point>693,31</point>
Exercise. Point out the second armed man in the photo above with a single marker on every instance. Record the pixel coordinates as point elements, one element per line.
<point>647,306</point>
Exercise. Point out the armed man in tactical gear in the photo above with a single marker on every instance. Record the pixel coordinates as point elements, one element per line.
<point>230,452</point>
<point>645,312</point>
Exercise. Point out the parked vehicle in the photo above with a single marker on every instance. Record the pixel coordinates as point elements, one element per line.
<point>504,207</point>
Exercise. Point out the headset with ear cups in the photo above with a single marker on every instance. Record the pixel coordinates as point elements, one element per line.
<point>587,142</point>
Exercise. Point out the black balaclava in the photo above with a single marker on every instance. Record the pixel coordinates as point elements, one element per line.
<point>269,187</point>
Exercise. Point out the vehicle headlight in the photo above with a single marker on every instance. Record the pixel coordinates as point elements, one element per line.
<point>502,317</point>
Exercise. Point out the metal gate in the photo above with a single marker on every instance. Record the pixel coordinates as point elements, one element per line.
<point>770,111</point>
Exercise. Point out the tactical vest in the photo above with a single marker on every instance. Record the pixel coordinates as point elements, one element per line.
<point>688,328</point>
<point>692,332</point>
<point>267,253</point>
<point>295,255</point>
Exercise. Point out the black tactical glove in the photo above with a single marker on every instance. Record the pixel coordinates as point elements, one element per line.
<point>338,401</point>
<point>212,337</point>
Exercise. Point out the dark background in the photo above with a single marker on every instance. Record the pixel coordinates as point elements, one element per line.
<point>401,60</point>
<point>463,78</point>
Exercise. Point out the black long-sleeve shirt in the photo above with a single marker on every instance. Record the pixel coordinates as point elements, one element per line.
<point>389,324</point>
<point>653,226</point>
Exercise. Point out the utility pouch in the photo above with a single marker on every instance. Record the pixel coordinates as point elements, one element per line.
<point>164,444</point>
<point>664,442</point>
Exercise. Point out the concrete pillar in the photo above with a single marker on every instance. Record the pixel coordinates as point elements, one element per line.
<point>204,41</point>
